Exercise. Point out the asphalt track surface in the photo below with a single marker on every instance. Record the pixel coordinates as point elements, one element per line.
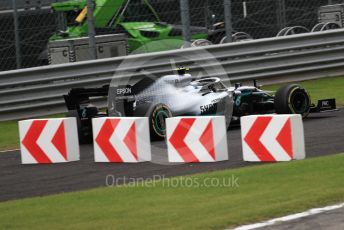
<point>324,134</point>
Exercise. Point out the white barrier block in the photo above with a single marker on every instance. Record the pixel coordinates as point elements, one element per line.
<point>121,139</point>
<point>270,138</point>
<point>44,141</point>
<point>196,139</point>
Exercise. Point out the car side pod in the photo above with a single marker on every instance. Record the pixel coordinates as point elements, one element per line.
<point>47,141</point>
<point>196,139</point>
<point>270,138</point>
<point>121,139</point>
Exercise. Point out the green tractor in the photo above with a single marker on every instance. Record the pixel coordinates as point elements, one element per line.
<point>136,18</point>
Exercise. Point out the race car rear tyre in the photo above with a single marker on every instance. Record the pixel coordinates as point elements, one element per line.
<point>157,117</point>
<point>292,99</point>
<point>83,137</point>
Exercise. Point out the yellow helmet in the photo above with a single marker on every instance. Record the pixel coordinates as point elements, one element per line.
<point>182,70</point>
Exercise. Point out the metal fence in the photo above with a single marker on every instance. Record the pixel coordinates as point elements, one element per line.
<point>26,4</point>
<point>27,26</point>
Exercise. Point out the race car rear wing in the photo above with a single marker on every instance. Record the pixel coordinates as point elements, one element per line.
<point>80,99</point>
<point>81,96</point>
<point>77,97</point>
<point>324,105</point>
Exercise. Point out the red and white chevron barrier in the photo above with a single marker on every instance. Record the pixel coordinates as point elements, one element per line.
<point>121,139</point>
<point>196,139</point>
<point>45,141</point>
<point>272,138</point>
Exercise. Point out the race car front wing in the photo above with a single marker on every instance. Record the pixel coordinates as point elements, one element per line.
<point>324,105</point>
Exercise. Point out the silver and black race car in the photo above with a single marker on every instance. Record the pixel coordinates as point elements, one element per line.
<point>182,95</point>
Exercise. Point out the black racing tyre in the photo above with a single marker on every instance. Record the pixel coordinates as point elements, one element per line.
<point>157,117</point>
<point>292,99</point>
<point>83,137</point>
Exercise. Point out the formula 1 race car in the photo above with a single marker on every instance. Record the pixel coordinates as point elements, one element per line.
<point>181,95</point>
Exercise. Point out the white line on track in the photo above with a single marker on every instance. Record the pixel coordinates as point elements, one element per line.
<point>7,151</point>
<point>310,212</point>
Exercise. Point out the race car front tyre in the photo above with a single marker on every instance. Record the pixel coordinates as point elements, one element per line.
<point>157,117</point>
<point>292,99</point>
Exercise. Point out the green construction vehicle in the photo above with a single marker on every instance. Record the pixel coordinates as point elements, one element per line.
<point>136,18</point>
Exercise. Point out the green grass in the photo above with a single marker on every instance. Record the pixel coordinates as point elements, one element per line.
<point>9,135</point>
<point>321,89</point>
<point>264,192</point>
